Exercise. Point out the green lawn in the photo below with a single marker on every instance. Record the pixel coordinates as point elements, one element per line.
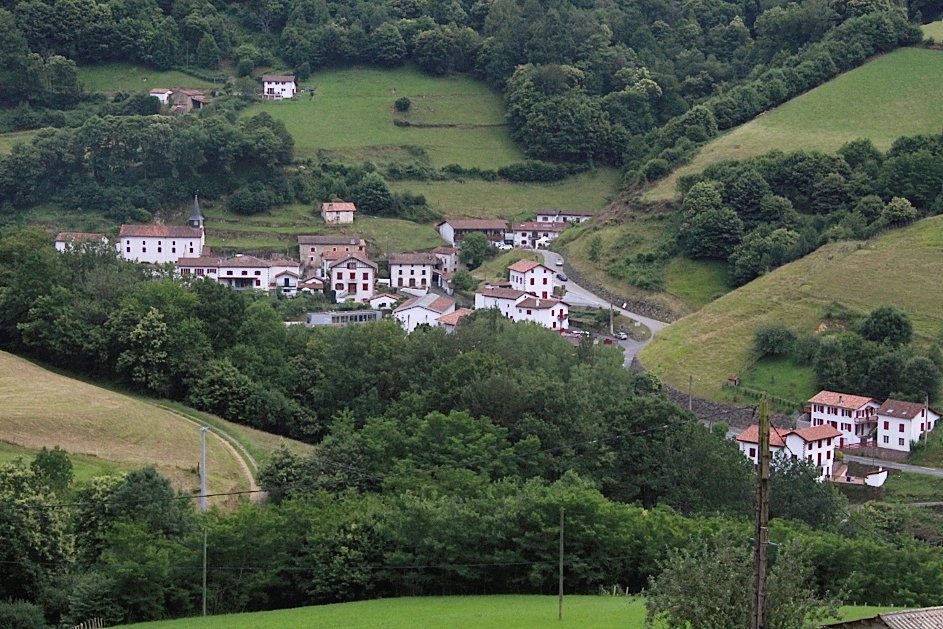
<point>716,341</point>
<point>129,78</point>
<point>453,612</point>
<point>783,378</point>
<point>84,467</point>
<point>907,487</point>
<point>894,95</point>
<point>350,113</point>
<point>696,282</point>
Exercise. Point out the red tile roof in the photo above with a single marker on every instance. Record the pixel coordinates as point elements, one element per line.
<point>499,292</point>
<point>241,261</point>
<point>413,258</point>
<point>79,237</point>
<point>752,435</point>
<point>158,231</point>
<point>430,301</point>
<point>453,317</point>
<point>443,250</point>
<point>203,261</point>
<point>346,255</point>
<point>281,78</point>
<point>523,266</point>
<point>338,206</point>
<point>536,303</point>
<point>535,226</point>
<point>330,240</point>
<point>475,223</point>
<point>814,433</point>
<point>841,400</point>
<point>902,410</point>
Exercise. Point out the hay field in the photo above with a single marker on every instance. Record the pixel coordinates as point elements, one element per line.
<point>901,267</point>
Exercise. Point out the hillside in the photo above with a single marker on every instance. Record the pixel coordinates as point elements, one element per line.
<point>893,95</point>
<point>41,408</point>
<point>896,268</point>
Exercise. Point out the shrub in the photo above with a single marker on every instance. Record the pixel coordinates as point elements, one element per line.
<point>402,104</point>
<point>773,340</point>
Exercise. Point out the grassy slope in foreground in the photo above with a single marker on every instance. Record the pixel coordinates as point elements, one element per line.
<point>453,612</point>
<point>901,267</point>
<point>41,408</point>
<point>894,95</point>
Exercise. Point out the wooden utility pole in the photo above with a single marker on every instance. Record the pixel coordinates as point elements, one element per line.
<point>761,534</point>
<point>560,610</point>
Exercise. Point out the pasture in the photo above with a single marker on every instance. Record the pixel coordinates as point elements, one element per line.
<point>108,432</point>
<point>452,612</point>
<point>893,95</point>
<point>116,76</point>
<point>716,341</point>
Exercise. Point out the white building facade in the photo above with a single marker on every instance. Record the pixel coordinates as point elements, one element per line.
<point>532,277</point>
<point>902,423</point>
<point>353,277</point>
<point>423,310</point>
<point>854,415</point>
<point>412,270</point>
<point>279,86</point>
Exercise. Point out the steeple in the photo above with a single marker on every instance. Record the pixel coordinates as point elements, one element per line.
<point>196,217</point>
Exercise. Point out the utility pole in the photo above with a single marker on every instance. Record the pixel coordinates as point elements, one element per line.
<point>560,610</point>
<point>691,392</point>
<point>761,534</point>
<point>204,572</point>
<point>203,430</point>
<point>611,328</point>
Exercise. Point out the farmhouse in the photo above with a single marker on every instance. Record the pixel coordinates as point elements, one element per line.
<point>902,423</point>
<point>534,233</point>
<point>816,444</point>
<point>854,415</point>
<point>532,277</point>
<point>353,276</point>
<point>502,298</point>
<point>563,216</point>
<point>337,212</point>
<point>162,244</point>
<point>454,230</point>
<point>183,101</point>
<point>278,86</point>
<point>550,313</point>
<point>450,321</point>
<point>423,310</point>
<point>412,270</point>
<point>74,240</point>
<point>312,248</point>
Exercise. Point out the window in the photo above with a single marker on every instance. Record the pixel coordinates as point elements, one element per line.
<point>351,265</point>
<point>245,272</point>
<point>228,272</point>
<point>887,425</point>
<point>900,428</point>
<point>143,249</point>
<point>185,271</point>
<point>531,281</point>
<point>828,454</point>
<point>258,272</point>
<point>545,281</point>
<point>129,250</point>
<point>340,275</point>
<point>173,250</point>
<point>828,442</point>
<point>159,249</point>
<point>528,311</point>
<point>258,282</point>
<point>886,439</point>
<point>199,271</point>
<point>752,452</point>
<point>900,441</point>
<point>366,276</point>
<point>366,287</point>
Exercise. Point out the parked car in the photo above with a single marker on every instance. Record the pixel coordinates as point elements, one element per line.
<point>559,262</point>
<point>503,246</point>
<point>622,336</point>
<point>561,277</point>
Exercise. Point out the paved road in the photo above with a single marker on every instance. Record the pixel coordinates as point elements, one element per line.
<point>904,467</point>
<point>578,296</point>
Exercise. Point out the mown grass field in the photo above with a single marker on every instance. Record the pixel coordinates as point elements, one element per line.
<point>933,30</point>
<point>716,341</point>
<point>129,78</point>
<point>452,612</point>
<point>894,95</point>
<point>107,431</point>
<point>350,113</point>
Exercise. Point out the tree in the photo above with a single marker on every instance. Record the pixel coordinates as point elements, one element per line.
<point>373,196</point>
<point>888,325</point>
<point>387,47</point>
<point>463,280</point>
<point>712,234</point>
<point>475,248</point>
<point>773,339</point>
<point>207,52</point>
<point>708,586</point>
<point>797,494</point>
<point>54,468</point>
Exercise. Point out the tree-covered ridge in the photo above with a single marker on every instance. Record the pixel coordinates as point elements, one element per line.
<point>618,83</point>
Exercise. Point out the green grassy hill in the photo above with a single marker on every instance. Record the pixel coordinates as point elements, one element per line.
<point>894,95</point>
<point>902,268</point>
<point>110,432</point>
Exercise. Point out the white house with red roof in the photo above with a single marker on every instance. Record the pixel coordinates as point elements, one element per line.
<point>902,423</point>
<point>454,230</point>
<point>312,248</point>
<point>337,212</point>
<point>278,86</point>
<point>162,244</point>
<point>499,297</point>
<point>450,321</point>
<point>383,301</point>
<point>563,216</point>
<point>412,270</point>
<point>816,444</point>
<point>550,313</point>
<point>854,415</point>
<point>427,309</point>
<point>353,276</point>
<point>532,277</point>
<point>243,272</point>
<point>530,233</point>
<point>74,240</point>
<point>204,266</point>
